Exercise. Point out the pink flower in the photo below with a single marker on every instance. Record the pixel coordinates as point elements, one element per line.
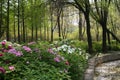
<point>31,43</point>
<point>62,58</point>
<point>51,51</point>
<point>12,68</point>
<point>2,70</point>
<point>67,63</point>
<point>3,43</point>
<point>18,53</point>
<point>9,47</point>
<point>4,50</point>
<point>57,59</point>
<point>27,49</point>
<point>1,54</point>
<point>14,51</point>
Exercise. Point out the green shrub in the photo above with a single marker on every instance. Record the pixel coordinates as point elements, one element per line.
<point>36,71</point>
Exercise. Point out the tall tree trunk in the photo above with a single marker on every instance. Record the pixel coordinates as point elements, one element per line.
<point>88,33</point>
<point>23,22</point>
<point>0,19</point>
<point>36,31</point>
<point>80,26</point>
<point>7,30</point>
<point>108,35</point>
<point>14,28</point>
<point>32,25</point>
<point>47,33</point>
<point>97,32</point>
<point>51,15</point>
<point>59,29</point>
<point>52,34</point>
<point>104,44</point>
<point>18,21</point>
<point>58,23</point>
<point>36,23</point>
<point>44,31</point>
<point>40,32</point>
<point>32,31</point>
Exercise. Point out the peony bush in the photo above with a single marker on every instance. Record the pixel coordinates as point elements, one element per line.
<point>41,61</point>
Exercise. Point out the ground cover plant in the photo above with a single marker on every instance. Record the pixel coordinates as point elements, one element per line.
<point>41,61</point>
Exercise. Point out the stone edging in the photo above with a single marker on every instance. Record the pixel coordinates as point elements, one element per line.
<point>93,62</point>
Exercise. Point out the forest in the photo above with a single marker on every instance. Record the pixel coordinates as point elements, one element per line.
<point>54,39</point>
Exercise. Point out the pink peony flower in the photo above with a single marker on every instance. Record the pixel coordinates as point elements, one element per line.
<point>18,53</point>
<point>2,70</point>
<point>3,43</point>
<point>10,47</point>
<point>67,63</point>
<point>57,59</point>
<point>14,51</point>
<point>51,51</point>
<point>27,49</point>
<point>4,50</point>
<point>1,54</point>
<point>12,68</point>
<point>31,43</point>
<point>62,58</point>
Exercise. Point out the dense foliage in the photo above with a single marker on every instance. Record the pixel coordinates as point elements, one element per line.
<point>35,61</point>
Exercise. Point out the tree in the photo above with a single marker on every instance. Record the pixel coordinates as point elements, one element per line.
<point>7,28</point>
<point>100,14</point>
<point>0,18</point>
<point>23,21</point>
<point>18,20</point>
<point>84,6</point>
<point>80,26</point>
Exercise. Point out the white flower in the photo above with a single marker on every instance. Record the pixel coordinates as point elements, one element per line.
<point>59,48</point>
<point>80,52</point>
<point>64,46</point>
<point>69,51</point>
<point>55,49</point>
<point>79,49</point>
<point>64,49</point>
<point>55,42</point>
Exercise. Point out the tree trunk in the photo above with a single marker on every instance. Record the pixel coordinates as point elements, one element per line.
<point>113,35</point>
<point>44,31</point>
<point>18,21</point>
<point>7,30</point>
<point>109,43</point>
<point>80,26</point>
<point>40,32</point>
<point>14,28</point>
<point>32,25</point>
<point>104,44</point>
<point>0,19</point>
<point>47,33</point>
<point>88,33</point>
<point>36,32</point>
<point>23,21</point>
<point>59,29</point>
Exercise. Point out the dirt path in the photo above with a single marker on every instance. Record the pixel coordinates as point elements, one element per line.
<point>104,67</point>
<point>108,71</point>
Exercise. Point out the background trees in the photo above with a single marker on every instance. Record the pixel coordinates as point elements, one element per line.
<point>30,20</point>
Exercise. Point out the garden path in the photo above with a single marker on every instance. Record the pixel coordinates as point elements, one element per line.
<point>104,67</point>
<point>108,71</point>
